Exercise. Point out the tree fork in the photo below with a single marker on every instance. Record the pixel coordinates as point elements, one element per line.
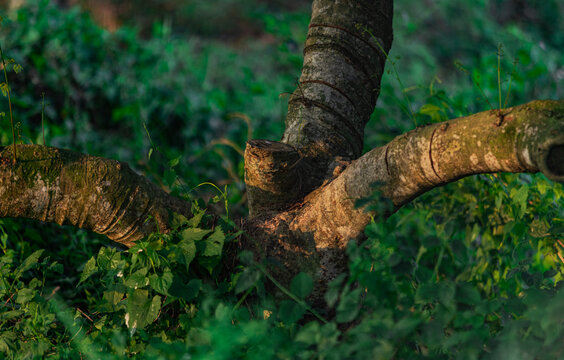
<point>314,234</point>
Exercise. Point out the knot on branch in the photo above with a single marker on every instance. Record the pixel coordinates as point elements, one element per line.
<point>551,159</point>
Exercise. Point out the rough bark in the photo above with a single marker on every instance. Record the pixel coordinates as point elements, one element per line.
<point>105,196</point>
<point>340,82</point>
<point>314,234</point>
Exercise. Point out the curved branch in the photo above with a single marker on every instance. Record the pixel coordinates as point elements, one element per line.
<point>101,195</point>
<point>526,138</point>
<point>313,235</point>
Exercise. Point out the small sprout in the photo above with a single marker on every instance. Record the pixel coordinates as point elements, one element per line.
<point>4,88</point>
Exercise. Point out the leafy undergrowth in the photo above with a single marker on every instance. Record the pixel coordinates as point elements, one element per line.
<point>472,270</point>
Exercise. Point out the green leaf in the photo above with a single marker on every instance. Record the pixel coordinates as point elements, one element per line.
<point>161,283</point>
<point>12,314</point>
<point>248,278</point>
<point>4,88</point>
<point>141,310</point>
<point>188,246</point>
<point>138,279</point>
<point>25,295</point>
<point>7,339</point>
<point>213,245</point>
<point>290,311</point>
<point>301,285</point>
<point>519,199</point>
<point>177,221</point>
<point>349,306</point>
<point>309,334</point>
<point>89,269</point>
<point>435,112</point>
<point>108,258</point>
<point>467,293</point>
<point>172,163</point>
<point>113,297</point>
<point>185,291</point>
<point>194,234</point>
<point>56,267</point>
<point>28,263</point>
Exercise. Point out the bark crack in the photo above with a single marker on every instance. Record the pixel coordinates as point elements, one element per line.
<point>431,153</point>
<point>116,219</point>
<point>386,160</point>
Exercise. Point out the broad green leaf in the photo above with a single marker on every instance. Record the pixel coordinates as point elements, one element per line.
<point>161,283</point>
<point>188,245</point>
<point>28,263</point>
<point>290,311</point>
<point>301,285</point>
<point>25,295</point>
<point>310,334</point>
<point>198,214</point>
<point>185,291</point>
<point>108,258</point>
<point>56,267</point>
<point>113,297</point>
<point>435,112</point>
<point>467,293</point>
<point>177,221</point>
<point>12,314</point>
<point>138,279</point>
<point>141,309</point>
<point>89,269</point>
<point>194,234</point>
<point>349,306</point>
<point>248,278</point>
<point>213,245</point>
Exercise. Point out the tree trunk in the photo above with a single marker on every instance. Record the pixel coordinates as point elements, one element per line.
<point>302,191</point>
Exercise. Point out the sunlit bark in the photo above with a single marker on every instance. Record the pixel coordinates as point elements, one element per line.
<point>105,196</point>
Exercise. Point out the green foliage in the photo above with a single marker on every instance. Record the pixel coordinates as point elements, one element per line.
<point>430,282</point>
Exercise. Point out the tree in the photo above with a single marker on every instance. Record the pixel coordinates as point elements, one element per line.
<point>302,190</point>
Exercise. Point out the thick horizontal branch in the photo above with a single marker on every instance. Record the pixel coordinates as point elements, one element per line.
<point>527,138</point>
<point>101,195</point>
<point>314,233</point>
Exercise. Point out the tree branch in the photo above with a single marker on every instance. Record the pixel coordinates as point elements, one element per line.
<point>101,195</point>
<point>528,138</point>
